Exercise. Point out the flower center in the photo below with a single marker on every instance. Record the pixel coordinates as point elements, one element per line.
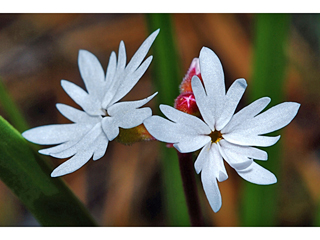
<point>216,136</point>
<point>105,114</point>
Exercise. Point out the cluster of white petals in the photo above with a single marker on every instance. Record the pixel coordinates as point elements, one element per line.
<point>222,134</point>
<point>102,114</point>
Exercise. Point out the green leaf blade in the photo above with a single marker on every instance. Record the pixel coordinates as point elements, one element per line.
<point>28,176</point>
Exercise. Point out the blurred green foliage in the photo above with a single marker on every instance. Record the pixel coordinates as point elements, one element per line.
<point>12,111</point>
<point>259,203</point>
<point>167,78</point>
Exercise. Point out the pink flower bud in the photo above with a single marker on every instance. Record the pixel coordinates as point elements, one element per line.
<point>186,102</point>
<point>194,70</point>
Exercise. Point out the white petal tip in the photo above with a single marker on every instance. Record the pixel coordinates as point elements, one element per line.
<point>55,174</point>
<point>41,151</point>
<point>296,106</point>
<point>24,134</point>
<point>64,83</point>
<point>243,82</point>
<point>216,209</point>
<point>82,51</point>
<point>28,135</point>
<point>204,49</point>
<point>84,54</point>
<point>258,175</point>
<point>59,172</point>
<point>164,108</point>
<point>59,106</point>
<point>155,33</point>
<point>152,96</point>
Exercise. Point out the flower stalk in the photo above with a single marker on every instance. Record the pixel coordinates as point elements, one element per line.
<point>190,188</point>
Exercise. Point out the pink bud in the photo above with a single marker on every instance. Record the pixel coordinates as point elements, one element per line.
<point>194,70</point>
<point>186,102</point>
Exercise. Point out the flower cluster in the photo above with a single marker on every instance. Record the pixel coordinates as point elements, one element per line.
<point>203,118</point>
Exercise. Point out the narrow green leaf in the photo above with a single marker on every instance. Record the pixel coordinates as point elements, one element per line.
<point>259,205</point>
<point>167,78</point>
<point>28,176</point>
<point>11,109</point>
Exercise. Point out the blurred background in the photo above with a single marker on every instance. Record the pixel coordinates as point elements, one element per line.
<point>124,188</point>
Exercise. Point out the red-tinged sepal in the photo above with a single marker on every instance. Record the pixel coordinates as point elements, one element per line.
<point>194,70</point>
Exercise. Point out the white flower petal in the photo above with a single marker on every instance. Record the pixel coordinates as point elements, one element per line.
<point>245,113</point>
<point>59,148</point>
<point>213,78</point>
<point>271,120</point>
<point>187,119</point>
<point>130,80</point>
<point>92,73</point>
<point>141,53</point>
<point>89,103</point>
<point>235,160</point>
<point>73,164</point>
<point>100,146</point>
<point>111,69</point>
<point>202,158</point>
<point>249,152</point>
<point>83,143</point>
<point>128,115</point>
<point>245,140</point>
<point>123,107</point>
<point>191,144</point>
<point>216,163</point>
<point>118,78</point>
<point>188,133</point>
<point>167,131</point>
<point>55,133</point>
<point>110,127</point>
<point>122,57</point>
<point>211,161</point>
<point>76,115</point>
<point>212,72</point>
<point>232,99</point>
<point>133,118</point>
<point>204,102</point>
<point>257,174</point>
<point>126,78</point>
<point>163,129</point>
<point>210,187</point>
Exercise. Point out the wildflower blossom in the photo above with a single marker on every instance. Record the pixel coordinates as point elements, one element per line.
<point>102,114</point>
<point>221,134</point>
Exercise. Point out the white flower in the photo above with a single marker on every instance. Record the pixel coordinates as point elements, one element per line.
<point>99,123</point>
<point>222,134</point>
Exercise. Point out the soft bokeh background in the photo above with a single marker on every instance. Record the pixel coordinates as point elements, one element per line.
<point>124,187</point>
